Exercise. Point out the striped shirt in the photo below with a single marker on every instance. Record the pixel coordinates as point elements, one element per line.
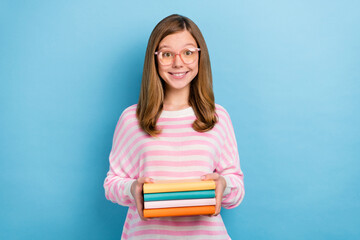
<point>179,152</point>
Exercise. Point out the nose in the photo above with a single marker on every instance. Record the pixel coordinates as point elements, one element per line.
<point>177,61</point>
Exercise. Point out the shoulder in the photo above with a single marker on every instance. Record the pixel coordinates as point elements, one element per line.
<point>224,120</point>
<point>129,112</point>
<point>127,118</point>
<point>222,112</point>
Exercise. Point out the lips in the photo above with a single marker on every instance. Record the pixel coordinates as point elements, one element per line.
<point>178,75</point>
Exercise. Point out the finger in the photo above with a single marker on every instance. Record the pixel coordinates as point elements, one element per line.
<point>140,198</point>
<point>142,180</point>
<point>136,191</point>
<point>139,207</point>
<point>149,180</point>
<point>210,176</point>
<point>218,197</point>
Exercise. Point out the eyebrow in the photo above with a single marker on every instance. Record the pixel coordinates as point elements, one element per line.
<point>165,46</point>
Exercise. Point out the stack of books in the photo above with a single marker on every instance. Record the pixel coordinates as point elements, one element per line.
<point>179,198</point>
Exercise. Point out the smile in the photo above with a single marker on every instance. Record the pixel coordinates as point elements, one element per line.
<point>178,75</point>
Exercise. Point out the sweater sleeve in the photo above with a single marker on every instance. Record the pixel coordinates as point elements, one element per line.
<point>229,166</point>
<point>117,183</point>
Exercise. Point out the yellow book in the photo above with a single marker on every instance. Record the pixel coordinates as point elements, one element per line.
<point>178,185</point>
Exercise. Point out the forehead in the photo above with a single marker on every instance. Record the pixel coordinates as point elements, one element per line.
<point>178,40</point>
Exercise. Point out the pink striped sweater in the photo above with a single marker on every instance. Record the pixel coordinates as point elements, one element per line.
<point>179,152</point>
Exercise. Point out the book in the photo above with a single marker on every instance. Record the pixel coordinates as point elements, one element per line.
<point>179,203</point>
<point>179,195</point>
<point>178,185</point>
<point>179,211</point>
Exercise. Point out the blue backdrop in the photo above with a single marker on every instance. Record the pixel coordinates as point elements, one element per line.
<point>287,72</point>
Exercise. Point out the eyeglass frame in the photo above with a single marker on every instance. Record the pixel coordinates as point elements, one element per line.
<point>178,53</point>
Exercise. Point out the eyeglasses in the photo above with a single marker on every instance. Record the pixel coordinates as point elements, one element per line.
<point>187,55</point>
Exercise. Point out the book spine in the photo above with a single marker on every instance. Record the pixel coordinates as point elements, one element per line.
<point>178,187</point>
<point>179,203</point>
<point>179,195</point>
<point>179,211</point>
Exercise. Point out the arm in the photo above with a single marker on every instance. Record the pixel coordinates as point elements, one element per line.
<point>122,184</point>
<point>117,189</point>
<point>126,191</point>
<point>228,177</point>
<point>118,183</point>
<point>229,168</point>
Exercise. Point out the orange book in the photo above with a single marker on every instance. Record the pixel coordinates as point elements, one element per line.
<point>179,211</point>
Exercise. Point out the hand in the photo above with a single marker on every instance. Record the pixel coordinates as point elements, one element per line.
<point>137,192</point>
<point>220,185</point>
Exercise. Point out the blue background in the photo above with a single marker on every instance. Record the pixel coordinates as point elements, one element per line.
<point>287,72</point>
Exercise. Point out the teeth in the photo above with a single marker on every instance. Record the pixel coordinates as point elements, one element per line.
<point>178,74</point>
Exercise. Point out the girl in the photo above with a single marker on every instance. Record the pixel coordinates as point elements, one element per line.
<point>176,131</point>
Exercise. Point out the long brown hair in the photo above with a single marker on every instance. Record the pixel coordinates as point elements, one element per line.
<point>151,98</point>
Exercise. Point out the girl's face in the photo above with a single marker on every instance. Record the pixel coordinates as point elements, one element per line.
<point>178,75</point>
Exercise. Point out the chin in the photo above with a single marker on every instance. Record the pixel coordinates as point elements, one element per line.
<point>178,86</point>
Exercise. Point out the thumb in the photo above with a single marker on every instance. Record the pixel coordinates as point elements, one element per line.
<point>210,176</point>
<point>145,180</point>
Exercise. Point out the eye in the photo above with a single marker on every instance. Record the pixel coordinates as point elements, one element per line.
<point>167,54</point>
<point>188,52</point>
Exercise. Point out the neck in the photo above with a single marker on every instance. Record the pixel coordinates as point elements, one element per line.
<point>176,99</point>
